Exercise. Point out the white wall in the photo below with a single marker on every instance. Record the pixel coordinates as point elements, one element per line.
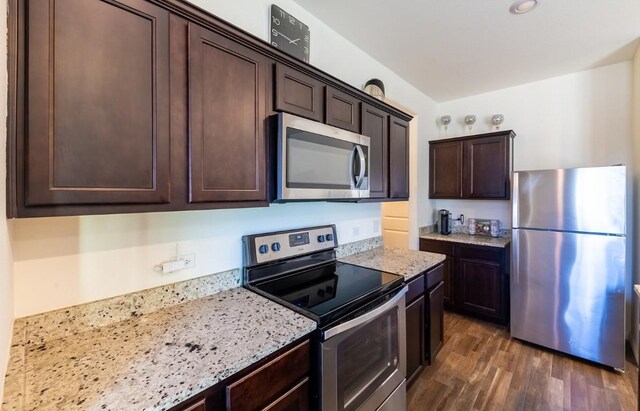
<point>635,313</point>
<point>581,119</point>
<point>6,259</point>
<point>70,260</point>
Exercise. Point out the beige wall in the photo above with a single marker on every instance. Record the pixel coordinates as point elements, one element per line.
<point>6,263</point>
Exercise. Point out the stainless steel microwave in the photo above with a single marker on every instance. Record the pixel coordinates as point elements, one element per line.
<point>320,162</point>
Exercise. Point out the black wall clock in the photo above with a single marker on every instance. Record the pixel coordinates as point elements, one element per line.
<point>289,34</point>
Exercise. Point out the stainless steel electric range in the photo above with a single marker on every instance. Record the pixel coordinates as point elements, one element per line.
<point>360,341</point>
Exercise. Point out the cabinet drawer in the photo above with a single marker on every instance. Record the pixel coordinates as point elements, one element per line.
<point>198,406</point>
<point>436,246</point>
<point>265,384</point>
<point>434,276</point>
<point>416,288</point>
<point>480,253</point>
<point>297,398</point>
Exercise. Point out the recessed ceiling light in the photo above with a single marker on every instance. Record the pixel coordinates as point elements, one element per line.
<point>523,6</point>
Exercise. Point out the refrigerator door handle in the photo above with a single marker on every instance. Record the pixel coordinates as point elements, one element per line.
<point>516,194</point>
<point>515,253</point>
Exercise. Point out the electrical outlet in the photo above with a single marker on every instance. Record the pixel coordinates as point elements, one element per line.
<point>172,266</point>
<point>376,226</point>
<point>189,260</point>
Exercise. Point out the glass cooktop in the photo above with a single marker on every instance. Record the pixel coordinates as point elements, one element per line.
<point>330,291</point>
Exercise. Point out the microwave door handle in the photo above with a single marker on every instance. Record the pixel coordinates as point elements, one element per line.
<point>352,160</point>
<point>363,166</point>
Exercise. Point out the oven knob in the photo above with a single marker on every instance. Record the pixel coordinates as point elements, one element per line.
<point>329,237</point>
<point>275,247</point>
<point>321,293</point>
<point>321,239</point>
<point>263,249</point>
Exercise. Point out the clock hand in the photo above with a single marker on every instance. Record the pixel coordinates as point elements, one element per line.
<point>286,37</point>
<point>294,41</point>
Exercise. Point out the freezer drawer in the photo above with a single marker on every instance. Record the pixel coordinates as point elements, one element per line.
<point>567,293</point>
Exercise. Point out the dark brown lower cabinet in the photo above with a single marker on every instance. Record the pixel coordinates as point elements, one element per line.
<point>278,383</point>
<point>434,331</point>
<point>415,338</point>
<point>477,278</point>
<point>424,320</point>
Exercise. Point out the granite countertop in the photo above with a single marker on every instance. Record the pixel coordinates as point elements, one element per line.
<point>408,263</point>
<point>500,242</point>
<point>153,361</point>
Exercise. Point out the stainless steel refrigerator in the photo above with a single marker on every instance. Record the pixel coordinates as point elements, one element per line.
<point>568,270</point>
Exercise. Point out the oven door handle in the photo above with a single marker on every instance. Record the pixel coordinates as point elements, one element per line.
<point>332,332</point>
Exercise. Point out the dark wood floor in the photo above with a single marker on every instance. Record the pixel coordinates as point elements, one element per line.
<point>481,368</point>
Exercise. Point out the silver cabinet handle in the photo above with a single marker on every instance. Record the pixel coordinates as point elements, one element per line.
<point>365,317</point>
<point>363,166</point>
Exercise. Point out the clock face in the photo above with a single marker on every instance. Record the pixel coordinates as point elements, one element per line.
<point>289,34</point>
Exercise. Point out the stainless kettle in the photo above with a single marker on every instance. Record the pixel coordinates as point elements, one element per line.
<point>443,222</point>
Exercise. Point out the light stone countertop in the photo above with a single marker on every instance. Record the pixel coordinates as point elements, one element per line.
<point>408,263</point>
<point>153,361</point>
<point>500,242</point>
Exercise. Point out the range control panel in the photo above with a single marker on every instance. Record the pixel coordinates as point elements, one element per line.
<point>263,248</point>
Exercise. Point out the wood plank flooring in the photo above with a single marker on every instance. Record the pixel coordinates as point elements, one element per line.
<point>481,368</point>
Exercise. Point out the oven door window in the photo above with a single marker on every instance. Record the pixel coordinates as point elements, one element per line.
<point>317,161</point>
<point>365,359</point>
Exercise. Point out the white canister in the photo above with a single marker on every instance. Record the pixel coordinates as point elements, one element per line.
<point>495,228</point>
<point>471,227</point>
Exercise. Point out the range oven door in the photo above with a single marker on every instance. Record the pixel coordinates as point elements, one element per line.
<point>317,161</point>
<point>363,360</point>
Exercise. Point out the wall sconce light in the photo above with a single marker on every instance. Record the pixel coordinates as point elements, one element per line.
<point>445,120</point>
<point>470,120</point>
<point>497,119</point>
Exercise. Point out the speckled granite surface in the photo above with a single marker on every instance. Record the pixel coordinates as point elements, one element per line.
<point>152,361</point>
<point>344,250</point>
<point>72,320</point>
<point>500,242</point>
<point>408,263</point>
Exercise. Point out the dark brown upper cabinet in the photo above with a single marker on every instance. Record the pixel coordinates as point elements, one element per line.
<point>97,98</point>
<point>474,167</point>
<point>485,171</point>
<point>133,106</point>
<point>445,169</point>
<point>398,158</point>
<point>227,119</point>
<point>342,110</point>
<point>299,94</point>
<point>375,125</point>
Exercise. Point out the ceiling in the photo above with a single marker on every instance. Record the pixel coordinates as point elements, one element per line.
<point>454,48</point>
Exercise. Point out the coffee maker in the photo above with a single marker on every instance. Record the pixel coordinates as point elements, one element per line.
<point>443,222</point>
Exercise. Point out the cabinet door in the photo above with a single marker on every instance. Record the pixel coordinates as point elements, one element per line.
<point>299,94</point>
<point>227,119</point>
<point>447,289</point>
<point>342,110</point>
<point>198,406</point>
<point>398,158</point>
<point>486,168</point>
<point>415,338</point>
<point>97,130</point>
<point>435,322</point>
<point>445,168</point>
<point>375,125</point>
<point>478,287</point>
